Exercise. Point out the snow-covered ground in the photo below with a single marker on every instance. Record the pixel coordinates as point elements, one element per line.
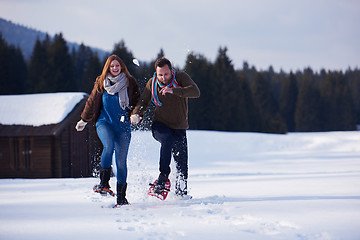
<point>244,186</point>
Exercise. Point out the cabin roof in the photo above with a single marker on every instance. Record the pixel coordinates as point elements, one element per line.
<point>37,114</point>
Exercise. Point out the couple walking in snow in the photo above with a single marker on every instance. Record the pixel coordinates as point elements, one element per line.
<point>115,103</point>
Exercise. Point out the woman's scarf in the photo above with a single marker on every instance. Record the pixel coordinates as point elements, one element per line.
<point>119,85</point>
<point>156,83</point>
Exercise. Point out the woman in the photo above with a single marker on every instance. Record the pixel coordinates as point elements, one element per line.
<point>114,95</point>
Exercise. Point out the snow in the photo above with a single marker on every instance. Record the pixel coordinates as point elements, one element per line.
<point>302,186</point>
<point>37,109</point>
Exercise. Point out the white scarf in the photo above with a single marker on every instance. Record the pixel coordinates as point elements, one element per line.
<point>119,85</point>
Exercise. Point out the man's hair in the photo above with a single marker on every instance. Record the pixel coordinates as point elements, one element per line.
<point>162,62</point>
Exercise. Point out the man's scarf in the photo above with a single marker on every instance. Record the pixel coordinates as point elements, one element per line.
<point>156,83</point>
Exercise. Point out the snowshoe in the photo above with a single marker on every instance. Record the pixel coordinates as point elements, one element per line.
<point>103,190</point>
<point>159,190</point>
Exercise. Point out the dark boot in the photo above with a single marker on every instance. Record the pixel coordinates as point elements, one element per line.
<point>121,194</point>
<point>160,183</point>
<point>105,174</point>
<point>104,186</point>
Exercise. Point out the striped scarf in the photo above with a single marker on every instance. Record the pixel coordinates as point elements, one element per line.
<point>156,83</point>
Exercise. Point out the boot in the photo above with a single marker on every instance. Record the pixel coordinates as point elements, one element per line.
<point>181,187</point>
<point>104,186</point>
<point>121,194</point>
<point>160,183</point>
<point>105,177</point>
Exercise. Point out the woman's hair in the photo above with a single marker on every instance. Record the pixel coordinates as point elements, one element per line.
<point>162,62</point>
<point>99,82</point>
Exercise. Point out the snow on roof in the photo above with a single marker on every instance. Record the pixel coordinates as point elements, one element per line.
<point>37,109</point>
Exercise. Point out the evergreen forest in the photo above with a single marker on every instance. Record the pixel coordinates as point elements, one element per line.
<point>239,100</point>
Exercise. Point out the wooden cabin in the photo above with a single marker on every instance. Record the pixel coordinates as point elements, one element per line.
<point>53,150</point>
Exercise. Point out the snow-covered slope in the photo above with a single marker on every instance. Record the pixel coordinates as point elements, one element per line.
<point>244,186</point>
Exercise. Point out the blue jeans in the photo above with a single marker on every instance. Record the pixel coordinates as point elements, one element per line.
<point>173,142</point>
<point>114,141</point>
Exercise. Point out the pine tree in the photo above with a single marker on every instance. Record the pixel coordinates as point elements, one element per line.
<point>39,74</point>
<point>61,66</point>
<point>92,70</point>
<point>4,73</point>
<point>308,114</point>
<point>339,112</point>
<point>288,98</point>
<point>224,85</point>
<point>248,112</point>
<point>13,70</point>
<point>200,109</point>
<point>267,105</point>
<point>353,80</point>
<point>80,60</point>
<point>19,67</point>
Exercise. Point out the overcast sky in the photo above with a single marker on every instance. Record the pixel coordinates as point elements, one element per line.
<point>285,34</point>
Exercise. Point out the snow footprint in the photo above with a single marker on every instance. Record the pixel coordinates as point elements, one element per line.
<point>262,226</point>
<point>140,222</point>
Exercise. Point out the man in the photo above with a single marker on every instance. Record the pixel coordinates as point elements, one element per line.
<point>169,91</point>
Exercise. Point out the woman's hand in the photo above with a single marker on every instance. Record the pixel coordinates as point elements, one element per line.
<point>80,125</point>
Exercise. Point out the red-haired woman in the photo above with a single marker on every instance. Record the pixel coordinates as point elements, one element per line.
<point>110,103</point>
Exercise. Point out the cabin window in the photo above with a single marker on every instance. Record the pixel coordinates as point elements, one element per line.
<point>27,153</point>
<point>16,160</point>
<point>21,153</point>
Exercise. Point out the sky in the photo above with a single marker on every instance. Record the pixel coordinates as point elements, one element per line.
<point>287,35</point>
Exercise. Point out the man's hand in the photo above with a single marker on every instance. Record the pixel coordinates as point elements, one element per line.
<point>166,90</point>
<point>135,119</point>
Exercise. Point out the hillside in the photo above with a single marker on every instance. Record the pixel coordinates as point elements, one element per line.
<point>25,37</point>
